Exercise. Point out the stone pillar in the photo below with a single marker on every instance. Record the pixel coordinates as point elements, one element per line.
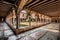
<point>14,16</point>
<point>41,19</point>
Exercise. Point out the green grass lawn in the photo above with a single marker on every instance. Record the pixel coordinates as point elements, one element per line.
<point>23,25</point>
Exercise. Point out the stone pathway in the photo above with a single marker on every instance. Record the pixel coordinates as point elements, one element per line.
<point>42,33</point>
<point>49,36</point>
<point>1,31</point>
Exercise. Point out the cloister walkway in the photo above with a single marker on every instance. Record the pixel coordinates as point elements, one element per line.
<point>47,32</point>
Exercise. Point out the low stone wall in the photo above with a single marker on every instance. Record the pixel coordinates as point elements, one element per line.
<point>18,31</point>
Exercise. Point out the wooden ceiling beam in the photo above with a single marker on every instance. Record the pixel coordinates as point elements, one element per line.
<point>44,7</point>
<point>47,4</point>
<point>34,3</point>
<point>38,3</point>
<point>7,3</point>
<point>30,2</point>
